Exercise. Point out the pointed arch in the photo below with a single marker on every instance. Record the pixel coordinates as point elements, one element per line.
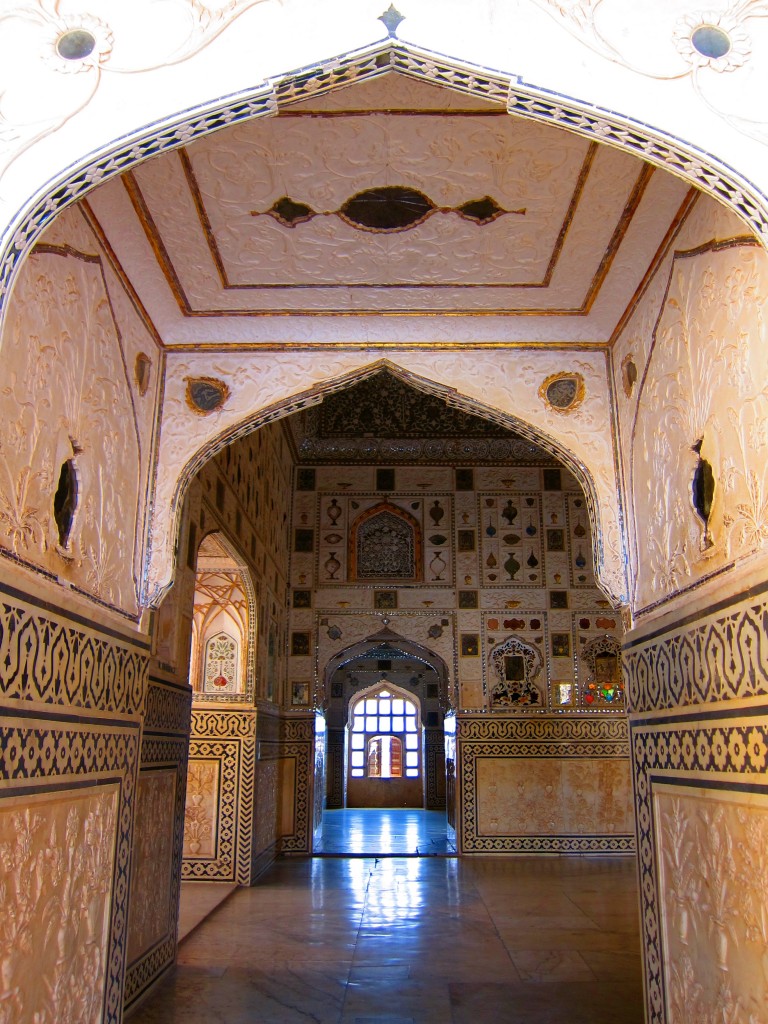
<point>601,491</point>
<point>522,99</point>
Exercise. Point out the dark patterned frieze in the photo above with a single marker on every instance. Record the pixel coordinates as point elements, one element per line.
<point>51,659</point>
<point>721,655</point>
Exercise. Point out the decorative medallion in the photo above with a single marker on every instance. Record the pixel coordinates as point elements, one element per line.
<point>78,47</point>
<point>712,39</point>
<point>386,208</point>
<point>206,394</point>
<point>563,392</point>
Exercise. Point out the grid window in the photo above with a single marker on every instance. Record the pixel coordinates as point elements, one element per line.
<point>385,738</point>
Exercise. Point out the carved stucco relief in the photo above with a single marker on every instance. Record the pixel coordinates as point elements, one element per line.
<point>505,383</point>
<point>711,850</point>
<point>41,90</point>
<point>68,396</point>
<point>704,221</point>
<point>540,796</point>
<point>532,171</point>
<point>703,391</point>
<point>201,810</point>
<point>152,861</point>
<point>654,40</point>
<point>56,861</point>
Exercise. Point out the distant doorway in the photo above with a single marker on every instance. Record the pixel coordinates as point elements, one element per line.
<point>386,699</point>
<point>384,749</point>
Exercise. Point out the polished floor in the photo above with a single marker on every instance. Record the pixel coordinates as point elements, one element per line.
<point>384,832</point>
<point>434,940</point>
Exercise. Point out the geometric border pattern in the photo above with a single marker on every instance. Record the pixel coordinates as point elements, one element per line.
<point>557,738</point>
<point>723,750</point>
<point>70,662</point>
<point>303,755</point>
<point>225,865</point>
<point>140,974</point>
<point>721,656</point>
<point>228,737</point>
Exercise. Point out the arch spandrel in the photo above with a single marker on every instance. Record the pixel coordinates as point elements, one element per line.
<point>505,388</point>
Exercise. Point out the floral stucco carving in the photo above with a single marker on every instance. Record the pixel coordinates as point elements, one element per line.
<point>56,861</point>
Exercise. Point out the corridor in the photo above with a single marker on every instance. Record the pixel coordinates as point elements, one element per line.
<point>431,940</point>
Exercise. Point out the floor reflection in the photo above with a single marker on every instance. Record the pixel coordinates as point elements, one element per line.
<point>407,940</point>
<point>384,832</point>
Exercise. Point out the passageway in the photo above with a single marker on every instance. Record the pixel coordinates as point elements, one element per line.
<point>415,941</point>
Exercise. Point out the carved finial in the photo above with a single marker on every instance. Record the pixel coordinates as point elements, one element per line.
<point>391,19</point>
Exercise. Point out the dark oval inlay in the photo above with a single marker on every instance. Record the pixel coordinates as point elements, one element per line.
<point>206,395</point>
<point>76,45</point>
<point>482,211</point>
<point>711,41</point>
<point>562,393</point>
<point>390,208</point>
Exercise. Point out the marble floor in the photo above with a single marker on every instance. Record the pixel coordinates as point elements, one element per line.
<point>384,832</point>
<point>198,900</point>
<point>435,940</point>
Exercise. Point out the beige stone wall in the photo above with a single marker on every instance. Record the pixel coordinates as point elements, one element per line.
<point>697,669</point>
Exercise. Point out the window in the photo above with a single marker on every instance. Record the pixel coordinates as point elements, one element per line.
<point>385,737</point>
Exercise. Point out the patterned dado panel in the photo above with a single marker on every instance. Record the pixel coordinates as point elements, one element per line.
<point>719,653</point>
<point>554,784</point>
<point>158,836</point>
<point>218,818</point>
<point>702,818</point>
<point>66,805</point>
<point>71,695</point>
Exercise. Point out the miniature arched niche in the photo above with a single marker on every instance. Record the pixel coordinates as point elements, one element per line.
<point>514,667</point>
<point>385,544</point>
<point>223,625</point>
<point>603,683</point>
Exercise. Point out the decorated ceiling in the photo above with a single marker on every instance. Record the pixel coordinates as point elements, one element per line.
<point>388,197</point>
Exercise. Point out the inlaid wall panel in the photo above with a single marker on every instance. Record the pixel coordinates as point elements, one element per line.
<point>547,784</point>
<point>158,833</point>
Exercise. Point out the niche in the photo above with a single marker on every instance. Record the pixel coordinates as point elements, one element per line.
<point>65,502</point>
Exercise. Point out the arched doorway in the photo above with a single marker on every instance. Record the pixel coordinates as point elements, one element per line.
<point>681,563</point>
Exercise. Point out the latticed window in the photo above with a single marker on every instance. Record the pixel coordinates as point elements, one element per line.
<point>385,737</point>
<point>385,548</point>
